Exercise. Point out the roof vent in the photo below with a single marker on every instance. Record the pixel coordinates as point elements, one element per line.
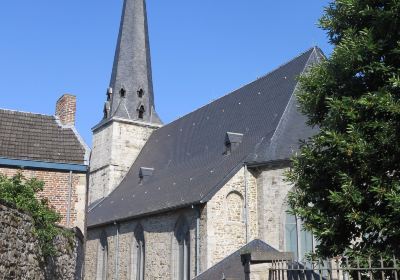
<point>145,172</point>
<point>232,141</point>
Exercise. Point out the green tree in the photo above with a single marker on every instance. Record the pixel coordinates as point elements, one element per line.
<point>347,177</point>
<point>22,193</point>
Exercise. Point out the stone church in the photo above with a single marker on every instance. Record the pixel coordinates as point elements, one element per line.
<point>178,201</point>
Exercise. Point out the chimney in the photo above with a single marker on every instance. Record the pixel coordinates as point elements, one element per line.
<point>66,109</point>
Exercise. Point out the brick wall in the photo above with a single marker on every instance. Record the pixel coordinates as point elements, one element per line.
<point>56,189</point>
<point>66,109</point>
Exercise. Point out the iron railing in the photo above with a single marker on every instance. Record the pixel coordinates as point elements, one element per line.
<point>340,268</point>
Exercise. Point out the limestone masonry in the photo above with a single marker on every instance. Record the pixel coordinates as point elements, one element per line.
<point>20,255</point>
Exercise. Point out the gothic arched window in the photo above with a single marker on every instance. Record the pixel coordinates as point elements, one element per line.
<point>235,210</point>
<point>297,239</point>
<point>141,112</point>
<point>102,255</point>
<point>182,250</point>
<point>137,255</point>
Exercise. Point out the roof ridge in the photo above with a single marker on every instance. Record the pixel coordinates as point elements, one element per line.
<point>284,113</point>
<point>290,61</point>
<point>240,87</point>
<point>25,112</point>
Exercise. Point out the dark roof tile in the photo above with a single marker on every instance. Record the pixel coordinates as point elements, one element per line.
<point>188,154</point>
<point>29,136</point>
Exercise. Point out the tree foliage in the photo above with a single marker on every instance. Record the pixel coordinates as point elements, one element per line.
<point>23,194</point>
<point>347,177</point>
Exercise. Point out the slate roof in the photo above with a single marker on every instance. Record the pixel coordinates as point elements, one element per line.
<point>132,66</point>
<point>188,155</point>
<point>231,267</point>
<point>28,136</point>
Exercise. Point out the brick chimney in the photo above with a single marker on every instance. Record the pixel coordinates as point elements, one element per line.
<point>66,109</point>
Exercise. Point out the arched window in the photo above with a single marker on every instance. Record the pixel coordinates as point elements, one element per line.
<point>297,239</point>
<point>140,93</point>
<point>102,255</point>
<point>137,255</point>
<point>182,250</point>
<point>141,112</point>
<point>234,201</point>
<point>122,92</point>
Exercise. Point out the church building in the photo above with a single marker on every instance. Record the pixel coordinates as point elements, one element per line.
<point>177,201</point>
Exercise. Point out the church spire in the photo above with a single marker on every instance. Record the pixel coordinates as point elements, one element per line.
<point>130,95</point>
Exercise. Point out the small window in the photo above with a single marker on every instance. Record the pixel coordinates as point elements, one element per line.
<point>109,93</point>
<point>140,93</point>
<point>141,112</point>
<point>122,92</point>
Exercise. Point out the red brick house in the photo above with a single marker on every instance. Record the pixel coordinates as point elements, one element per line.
<point>50,149</point>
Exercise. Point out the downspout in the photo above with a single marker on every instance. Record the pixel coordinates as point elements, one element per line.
<point>246,212</point>
<point>69,199</point>
<point>198,240</point>
<point>117,251</point>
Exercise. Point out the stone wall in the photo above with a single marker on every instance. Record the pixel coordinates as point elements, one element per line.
<point>116,145</point>
<point>223,223</point>
<point>56,190</point>
<point>222,227</point>
<point>159,239</point>
<point>273,191</point>
<point>20,255</point>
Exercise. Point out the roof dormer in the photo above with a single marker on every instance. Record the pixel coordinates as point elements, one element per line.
<point>232,141</point>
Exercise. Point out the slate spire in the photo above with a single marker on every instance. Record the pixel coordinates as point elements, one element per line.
<point>130,95</point>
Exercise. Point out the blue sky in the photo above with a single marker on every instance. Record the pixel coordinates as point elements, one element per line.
<point>201,50</point>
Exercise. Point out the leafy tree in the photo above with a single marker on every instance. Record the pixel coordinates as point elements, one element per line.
<point>347,177</point>
<point>22,193</point>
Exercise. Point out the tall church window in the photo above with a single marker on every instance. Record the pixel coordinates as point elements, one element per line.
<point>137,255</point>
<point>141,112</point>
<point>297,240</point>
<point>182,250</point>
<point>102,255</point>
<point>235,209</point>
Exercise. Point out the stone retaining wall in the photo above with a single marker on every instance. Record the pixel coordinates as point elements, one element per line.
<point>20,254</point>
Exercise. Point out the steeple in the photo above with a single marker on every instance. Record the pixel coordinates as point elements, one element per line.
<point>130,95</point>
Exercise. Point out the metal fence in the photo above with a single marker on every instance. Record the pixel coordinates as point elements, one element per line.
<point>341,268</point>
